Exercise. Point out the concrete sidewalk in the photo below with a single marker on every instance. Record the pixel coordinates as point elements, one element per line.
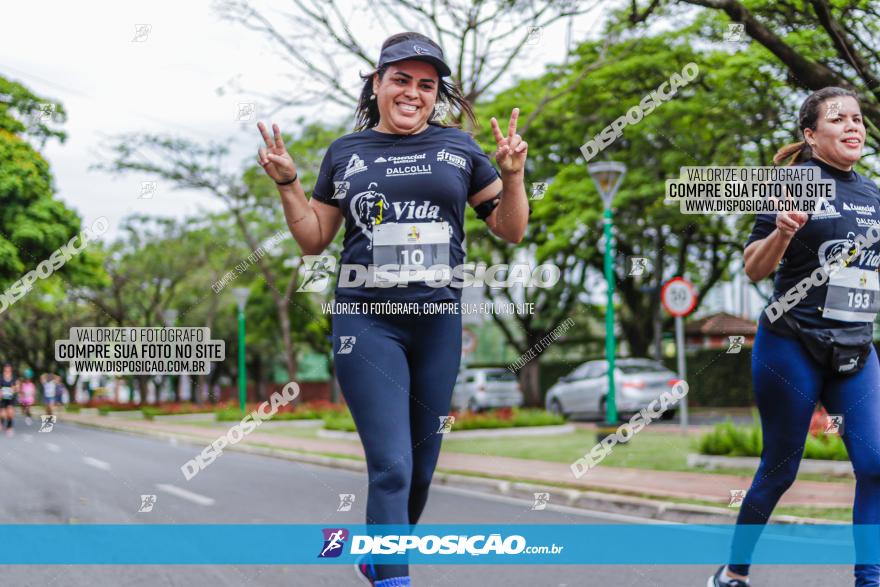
<point>709,487</point>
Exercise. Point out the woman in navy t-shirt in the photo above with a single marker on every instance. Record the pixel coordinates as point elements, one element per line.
<point>792,369</point>
<point>400,184</point>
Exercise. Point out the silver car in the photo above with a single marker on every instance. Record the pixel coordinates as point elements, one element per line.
<point>637,382</point>
<point>480,389</point>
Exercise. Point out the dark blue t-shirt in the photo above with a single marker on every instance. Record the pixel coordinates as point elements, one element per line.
<point>381,180</point>
<point>832,228</point>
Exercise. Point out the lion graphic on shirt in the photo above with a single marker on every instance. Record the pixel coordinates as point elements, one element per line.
<point>368,209</point>
<point>836,248</point>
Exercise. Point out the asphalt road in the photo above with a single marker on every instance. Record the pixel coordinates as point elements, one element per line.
<point>86,476</point>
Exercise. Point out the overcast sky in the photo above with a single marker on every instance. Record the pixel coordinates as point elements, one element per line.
<point>84,54</point>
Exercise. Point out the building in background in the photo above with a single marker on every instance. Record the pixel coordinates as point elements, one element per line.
<point>714,331</point>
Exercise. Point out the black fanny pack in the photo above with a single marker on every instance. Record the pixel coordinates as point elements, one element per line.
<point>841,350</point>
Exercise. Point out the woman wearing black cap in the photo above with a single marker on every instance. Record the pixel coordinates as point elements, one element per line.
<point>400,183</point>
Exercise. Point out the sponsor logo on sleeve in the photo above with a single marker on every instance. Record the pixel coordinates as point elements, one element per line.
<point>355,165</point>
<point>825,210</point>
<point>452,159</point>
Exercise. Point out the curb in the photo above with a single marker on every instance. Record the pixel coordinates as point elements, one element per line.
<point>198,416</point>
<point>588,500</point>
<point>125,414</point>
<point>517,431</point>
<point>712,462</point>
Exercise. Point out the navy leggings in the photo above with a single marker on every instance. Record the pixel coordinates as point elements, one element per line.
<point>397,380</point>
<point>788,383</point>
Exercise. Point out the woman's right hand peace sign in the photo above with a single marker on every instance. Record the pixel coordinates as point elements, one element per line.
<point>274,158</point>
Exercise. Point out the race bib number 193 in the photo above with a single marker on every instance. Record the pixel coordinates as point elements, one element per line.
<point>852,296</point>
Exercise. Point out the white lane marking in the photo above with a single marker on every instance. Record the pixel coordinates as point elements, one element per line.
<point>184,494</point>
<point>53,447</point>
<point>98,464</point>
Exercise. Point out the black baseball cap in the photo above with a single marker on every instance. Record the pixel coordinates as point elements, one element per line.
<point>415,50</point>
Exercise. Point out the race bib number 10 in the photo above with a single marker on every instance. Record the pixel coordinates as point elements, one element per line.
<point>409,250</point>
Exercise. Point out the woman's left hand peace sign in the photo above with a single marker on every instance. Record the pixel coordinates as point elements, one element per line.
<point>512,149</point>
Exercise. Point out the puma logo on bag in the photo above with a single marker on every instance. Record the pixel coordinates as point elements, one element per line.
<point>852,365</point>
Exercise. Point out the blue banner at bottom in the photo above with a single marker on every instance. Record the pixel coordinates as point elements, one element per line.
<point>296,544</point>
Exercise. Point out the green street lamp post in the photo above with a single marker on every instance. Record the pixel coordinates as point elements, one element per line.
<point>241,295</point>
<point>608,175</point>
<point>170,317</point>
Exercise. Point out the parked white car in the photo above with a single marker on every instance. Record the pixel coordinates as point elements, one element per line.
<point>637,382</point>
<point>480,389</point>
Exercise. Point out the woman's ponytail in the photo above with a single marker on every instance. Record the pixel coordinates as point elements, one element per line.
<point>793,153</point>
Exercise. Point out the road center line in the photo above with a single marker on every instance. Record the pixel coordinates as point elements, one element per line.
<point>184,494</point>
<point>98,464</point>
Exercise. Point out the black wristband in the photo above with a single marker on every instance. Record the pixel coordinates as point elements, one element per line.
<point>295,175</point>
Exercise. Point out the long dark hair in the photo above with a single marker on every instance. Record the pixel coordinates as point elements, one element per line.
<point>808,118</point>
<point>367,113</point>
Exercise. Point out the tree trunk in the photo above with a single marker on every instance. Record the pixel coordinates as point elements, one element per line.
<point>530,380</point>
<point>658,283</point>
<point>72,389</point>
<point>636,330</point>
<point>259,377</point>
<point>289,352</point>
<point>281,301</point>
<point>202,381</point>
<point>142,389</point>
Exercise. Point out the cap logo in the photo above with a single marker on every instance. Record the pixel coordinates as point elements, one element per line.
<point>420,50</point>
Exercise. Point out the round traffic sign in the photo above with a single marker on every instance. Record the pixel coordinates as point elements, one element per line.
<point>678,296</point>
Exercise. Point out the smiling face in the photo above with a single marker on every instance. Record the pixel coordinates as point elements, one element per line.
<point>406,96</point>
<point>840,132</point>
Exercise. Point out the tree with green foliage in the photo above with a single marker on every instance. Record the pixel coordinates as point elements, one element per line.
<point>33,222</point>
<point>33,225</point>
<point>732,114</point>
<point>481,41</point>
<point>811,43</point>
<point>252,204</point>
